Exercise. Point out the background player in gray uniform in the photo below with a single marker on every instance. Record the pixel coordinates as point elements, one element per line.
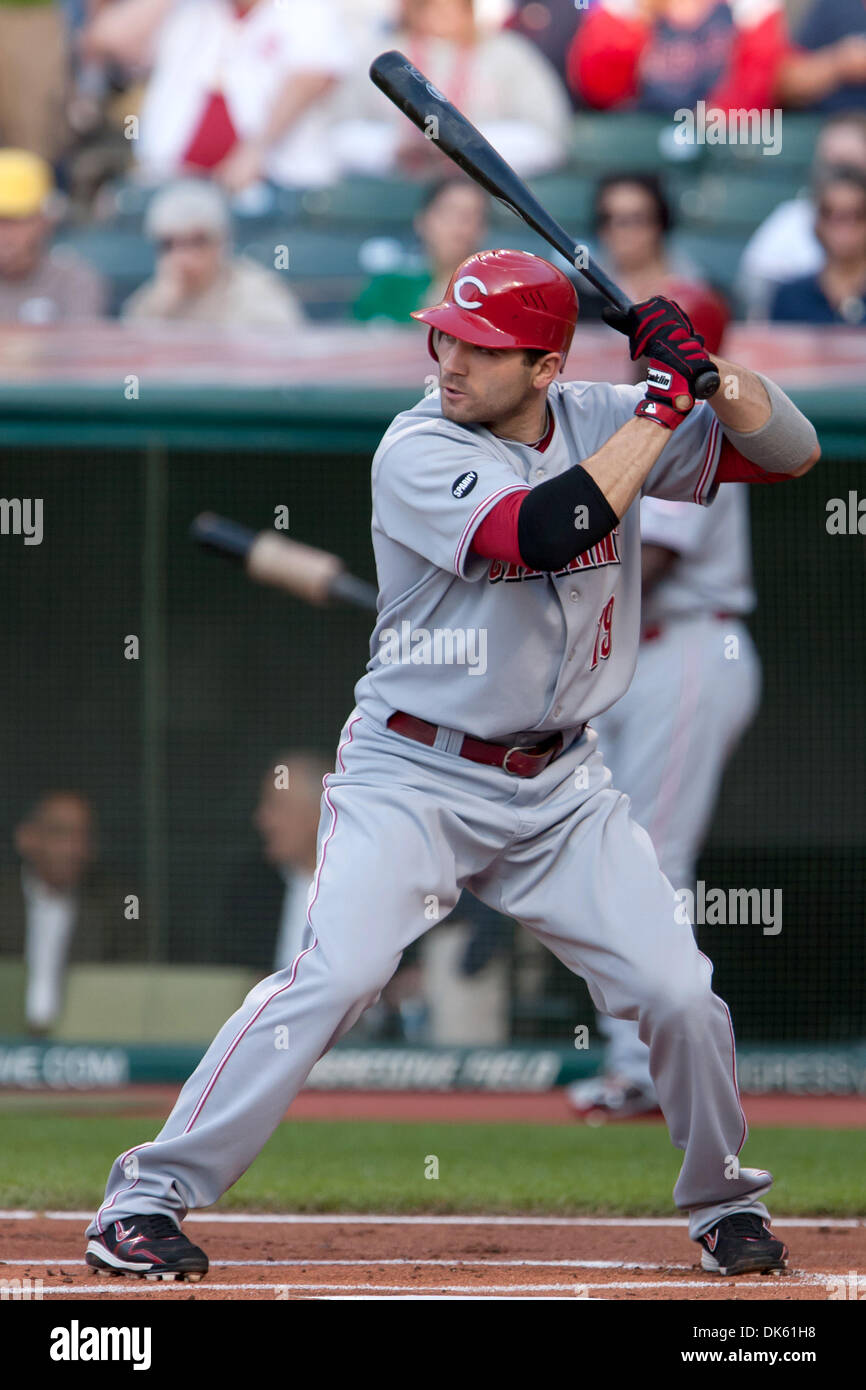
<point>695,691</point>
<point>508,555</point>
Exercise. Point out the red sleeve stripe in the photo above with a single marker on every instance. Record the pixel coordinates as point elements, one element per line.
<point>482,508</point>
<point>497,534</point>
<point>733,468</point>
<point>709,460</point>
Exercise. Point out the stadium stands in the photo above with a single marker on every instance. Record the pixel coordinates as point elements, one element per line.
<point>721,194</point>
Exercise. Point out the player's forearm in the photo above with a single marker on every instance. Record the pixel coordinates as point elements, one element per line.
<point>571,513</point>
<point>623,464</point>
<point>762,422</point>
<point>742,401</point>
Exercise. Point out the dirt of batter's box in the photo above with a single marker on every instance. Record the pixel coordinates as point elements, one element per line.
<point>656,1262</point>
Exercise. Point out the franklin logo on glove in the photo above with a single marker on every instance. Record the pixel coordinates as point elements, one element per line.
<point>662,380</point>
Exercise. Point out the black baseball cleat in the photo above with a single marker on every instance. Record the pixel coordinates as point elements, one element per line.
<point>152,1247</point>
<point>742,1244</point>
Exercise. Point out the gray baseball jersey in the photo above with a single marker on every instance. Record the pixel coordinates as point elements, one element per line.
<point>713,569</point>
<point>441,605</point>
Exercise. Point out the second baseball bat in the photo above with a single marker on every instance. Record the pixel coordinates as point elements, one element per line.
<point>311,574</point>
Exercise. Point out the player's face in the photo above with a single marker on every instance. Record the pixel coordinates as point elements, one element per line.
<point>485,386</point>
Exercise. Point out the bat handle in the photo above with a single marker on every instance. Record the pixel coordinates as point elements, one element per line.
<point>220,534</point>
<point>706,385</point>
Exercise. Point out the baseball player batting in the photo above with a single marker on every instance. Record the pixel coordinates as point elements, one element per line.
<point>507,542</point>
<point>691,699</point>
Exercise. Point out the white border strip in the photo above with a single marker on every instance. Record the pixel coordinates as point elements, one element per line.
<point>383,1219</point>
<point>501,1290</point>
<point>62,1261</point>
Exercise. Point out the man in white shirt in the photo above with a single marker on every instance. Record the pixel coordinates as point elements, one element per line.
<point>53,908</point>
<point>266,897</point>
<point>239,88</point>
<point>287,818</point>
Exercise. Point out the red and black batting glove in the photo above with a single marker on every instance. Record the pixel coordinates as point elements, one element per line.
<point>659,328</point>
<point>669,396</point>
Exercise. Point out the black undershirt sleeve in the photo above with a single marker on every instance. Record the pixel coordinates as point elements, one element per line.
<point>561,518</point>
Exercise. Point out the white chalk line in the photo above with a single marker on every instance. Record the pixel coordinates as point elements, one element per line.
<point>141,1289</point>
<point>384,1219</point>
<point>146,1290</point>
<point>408,1297</point>
<point>452,1298</point>
<point>457,1263</point>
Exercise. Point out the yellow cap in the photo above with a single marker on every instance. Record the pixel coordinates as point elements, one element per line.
<point>26,182</point>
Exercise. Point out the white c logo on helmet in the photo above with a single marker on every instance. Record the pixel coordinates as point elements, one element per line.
<point>458,291</point>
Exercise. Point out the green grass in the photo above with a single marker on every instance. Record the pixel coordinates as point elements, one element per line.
<point>53,1161</point>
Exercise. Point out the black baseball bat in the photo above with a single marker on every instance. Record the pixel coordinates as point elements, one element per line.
<point>437,117</point>
<point>303,570</point>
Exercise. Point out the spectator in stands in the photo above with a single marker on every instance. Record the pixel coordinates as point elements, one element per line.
<point>55,906</point>
<point>33,76</point>
<point>786,246</point>
<point>265,920</point>
<point>266,900</point>
<point>498,79</point>
<point>369,24</point>
<point>197,278</point>
<point>830,75</point>
<point>451,223</point>
<point>551,26</point>
<point>38,285</point>
<point>632,220</point>
<point>664,55</point>
<point>837,293</point>
<point>238,88</point>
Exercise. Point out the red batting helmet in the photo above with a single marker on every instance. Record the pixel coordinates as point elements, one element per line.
<point>506,299</point>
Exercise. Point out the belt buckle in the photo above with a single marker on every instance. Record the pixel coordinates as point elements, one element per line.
<point>505,766</point>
